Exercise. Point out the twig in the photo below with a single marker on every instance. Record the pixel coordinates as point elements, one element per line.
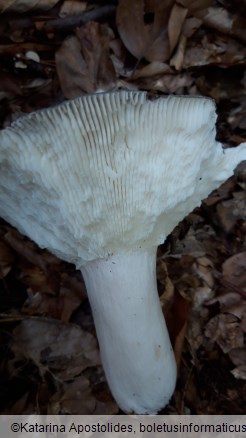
<point>67,23</point>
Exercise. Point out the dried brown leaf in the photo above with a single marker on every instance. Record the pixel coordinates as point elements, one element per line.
<point>166,83</point>
<point>203,268</point>
<point>178,57</point>
<point>152,69</point>
<point>76,398</point>
<point>221,20</point>
<point>175,23</point>
<point>59,307</point>
<point>230,211</point>
<point>144,40</point>
<point>72,7</point>
<point>83,62</point>
<point>201,296</point>
<point>226,301</point>
<point>118,56</point>
<point>226,331</point>
<point>53,289</point>
<point>69,301</point>
<point>65,348</point>
<point>234,270</point>
<point>26,5</point>
<point>178,323</point>
<point>131,27</point>
<point>190,245</point>
<point>72,69</point>
<point>73,398</point>
<point>29,250</point>
<point>198,317</point>
<point>95,42</point>
<point>37,280</point>
<point>191,25</point>
<point>213,50</point>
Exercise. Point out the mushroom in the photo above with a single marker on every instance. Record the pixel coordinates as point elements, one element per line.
<point>100,181</point>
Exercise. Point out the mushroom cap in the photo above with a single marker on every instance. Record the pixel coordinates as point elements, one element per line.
<point>110,172</point>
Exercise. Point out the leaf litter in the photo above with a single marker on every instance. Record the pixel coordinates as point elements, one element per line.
<point>50,51</point>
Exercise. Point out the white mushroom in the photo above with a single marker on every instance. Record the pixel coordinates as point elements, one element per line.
<point>100,181</point>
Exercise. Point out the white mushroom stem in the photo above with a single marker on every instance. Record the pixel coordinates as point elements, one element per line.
<point>135,348</point>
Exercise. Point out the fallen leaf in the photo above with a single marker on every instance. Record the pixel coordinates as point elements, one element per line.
<point>226,331</point>
<point>226,301</point>
<point>72,69</point>
<point>24,6</point>
<point>177,322</point>
<point>76,397</point>
<point>190,26</point>
<point>29,250</point>
<point>50,344</point>
<point>59,307</point>
<point>69,302</point>
<point>83,62</point>
<point>178,57</point>
<point>234,270</point>
<point>118,56</point>
<point>175,83</point>
<point>72,7</point>
<point>190,244</point>
<point>152,69</point>
<point>37,279</point>
<point>144,40</point>
<point>73,398</point>
<point>95,42</point>
<point>232,210</point>
<point>212,49</point>
<point>175,23</point>
<point>198,316</point>
<point>203,268</point>
<point>221,20</point>
<point>201,296</point>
